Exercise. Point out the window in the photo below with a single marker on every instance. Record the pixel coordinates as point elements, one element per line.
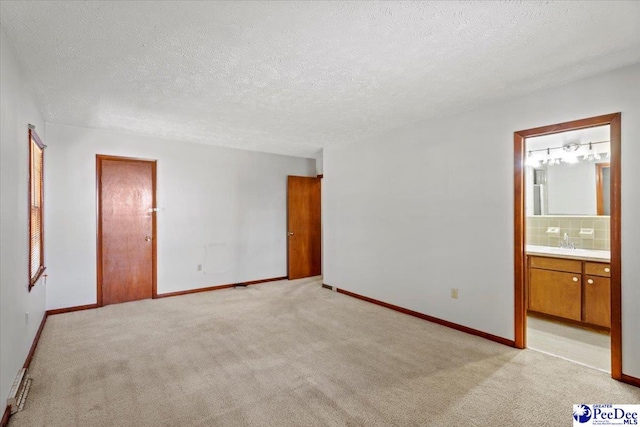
<point>36,192</point>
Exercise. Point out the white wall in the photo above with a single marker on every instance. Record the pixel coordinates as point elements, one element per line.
<point>426,208</point>
<point>17,111</point>
<point>232,201</point>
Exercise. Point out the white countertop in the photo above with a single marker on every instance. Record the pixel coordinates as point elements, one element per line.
<point>580,254</point>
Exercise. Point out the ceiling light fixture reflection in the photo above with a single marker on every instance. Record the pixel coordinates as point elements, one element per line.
<point>570,153</point>
<point>591,155</point>
<point>532,161</point>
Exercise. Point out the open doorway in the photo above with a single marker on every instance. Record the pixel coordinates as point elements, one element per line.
<point>567,245</point>
<point>567,241</point>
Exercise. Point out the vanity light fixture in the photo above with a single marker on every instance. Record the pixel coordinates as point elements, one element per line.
<point>570,153</point>
<point>591,154</point>
<point>532,161</point>
<point>547,158</point>
<point>552,159</point>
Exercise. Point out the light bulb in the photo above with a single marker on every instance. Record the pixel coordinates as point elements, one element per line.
<point>532,161</point>
<point>591,155</point>
<point>570,158</point>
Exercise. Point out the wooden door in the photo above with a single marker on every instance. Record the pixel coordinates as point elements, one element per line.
<point>303,222</point>
<point>126,229</point>
<point>597,301</point>
<point>556,293</point>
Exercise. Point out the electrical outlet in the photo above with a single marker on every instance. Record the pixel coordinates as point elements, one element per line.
<point>454,293</point>
<point>26,317</point>
<point>199,267</point>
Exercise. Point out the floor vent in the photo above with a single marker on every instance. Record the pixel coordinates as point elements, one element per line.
<point>240,285</point>
<point>19,391</point>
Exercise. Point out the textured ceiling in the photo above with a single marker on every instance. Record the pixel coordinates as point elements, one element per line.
<point>293,77</point>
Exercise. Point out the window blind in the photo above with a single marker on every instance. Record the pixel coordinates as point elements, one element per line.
<point>36,240</point>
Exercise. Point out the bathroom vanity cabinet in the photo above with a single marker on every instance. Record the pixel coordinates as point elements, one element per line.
<point>573,289</point>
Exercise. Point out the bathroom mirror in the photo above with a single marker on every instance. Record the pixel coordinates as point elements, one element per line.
<point>568,173</point>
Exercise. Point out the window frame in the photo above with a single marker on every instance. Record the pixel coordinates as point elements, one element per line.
<point>35,139</point>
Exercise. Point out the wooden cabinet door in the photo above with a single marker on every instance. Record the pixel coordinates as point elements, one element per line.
<point>597,301</point>
<point>555,293</point>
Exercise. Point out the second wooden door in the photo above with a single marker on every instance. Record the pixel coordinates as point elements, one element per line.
<point>126,229</point>
<point>304,227</point>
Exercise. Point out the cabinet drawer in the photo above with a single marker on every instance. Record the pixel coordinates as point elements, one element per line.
<point>597,269</point>
<point>557,264</point>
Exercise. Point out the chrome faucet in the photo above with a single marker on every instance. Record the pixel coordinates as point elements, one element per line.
<point>566,243</point>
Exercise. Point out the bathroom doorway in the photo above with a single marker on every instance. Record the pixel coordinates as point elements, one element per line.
<point>567,241</point>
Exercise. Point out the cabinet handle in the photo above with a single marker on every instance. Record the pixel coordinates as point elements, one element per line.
<point>607,269</point>
<point>575,279</point>
<point>590,281</point>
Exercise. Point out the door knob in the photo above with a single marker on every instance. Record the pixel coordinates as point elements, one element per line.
<point>575,279</point>
<point>590,281</point>
<point>290,233</point>
<point>148,238</point>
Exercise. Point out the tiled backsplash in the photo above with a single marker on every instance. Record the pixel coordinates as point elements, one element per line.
<point>537,227</point>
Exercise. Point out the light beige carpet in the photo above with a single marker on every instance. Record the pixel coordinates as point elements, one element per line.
<point>291,354</point>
